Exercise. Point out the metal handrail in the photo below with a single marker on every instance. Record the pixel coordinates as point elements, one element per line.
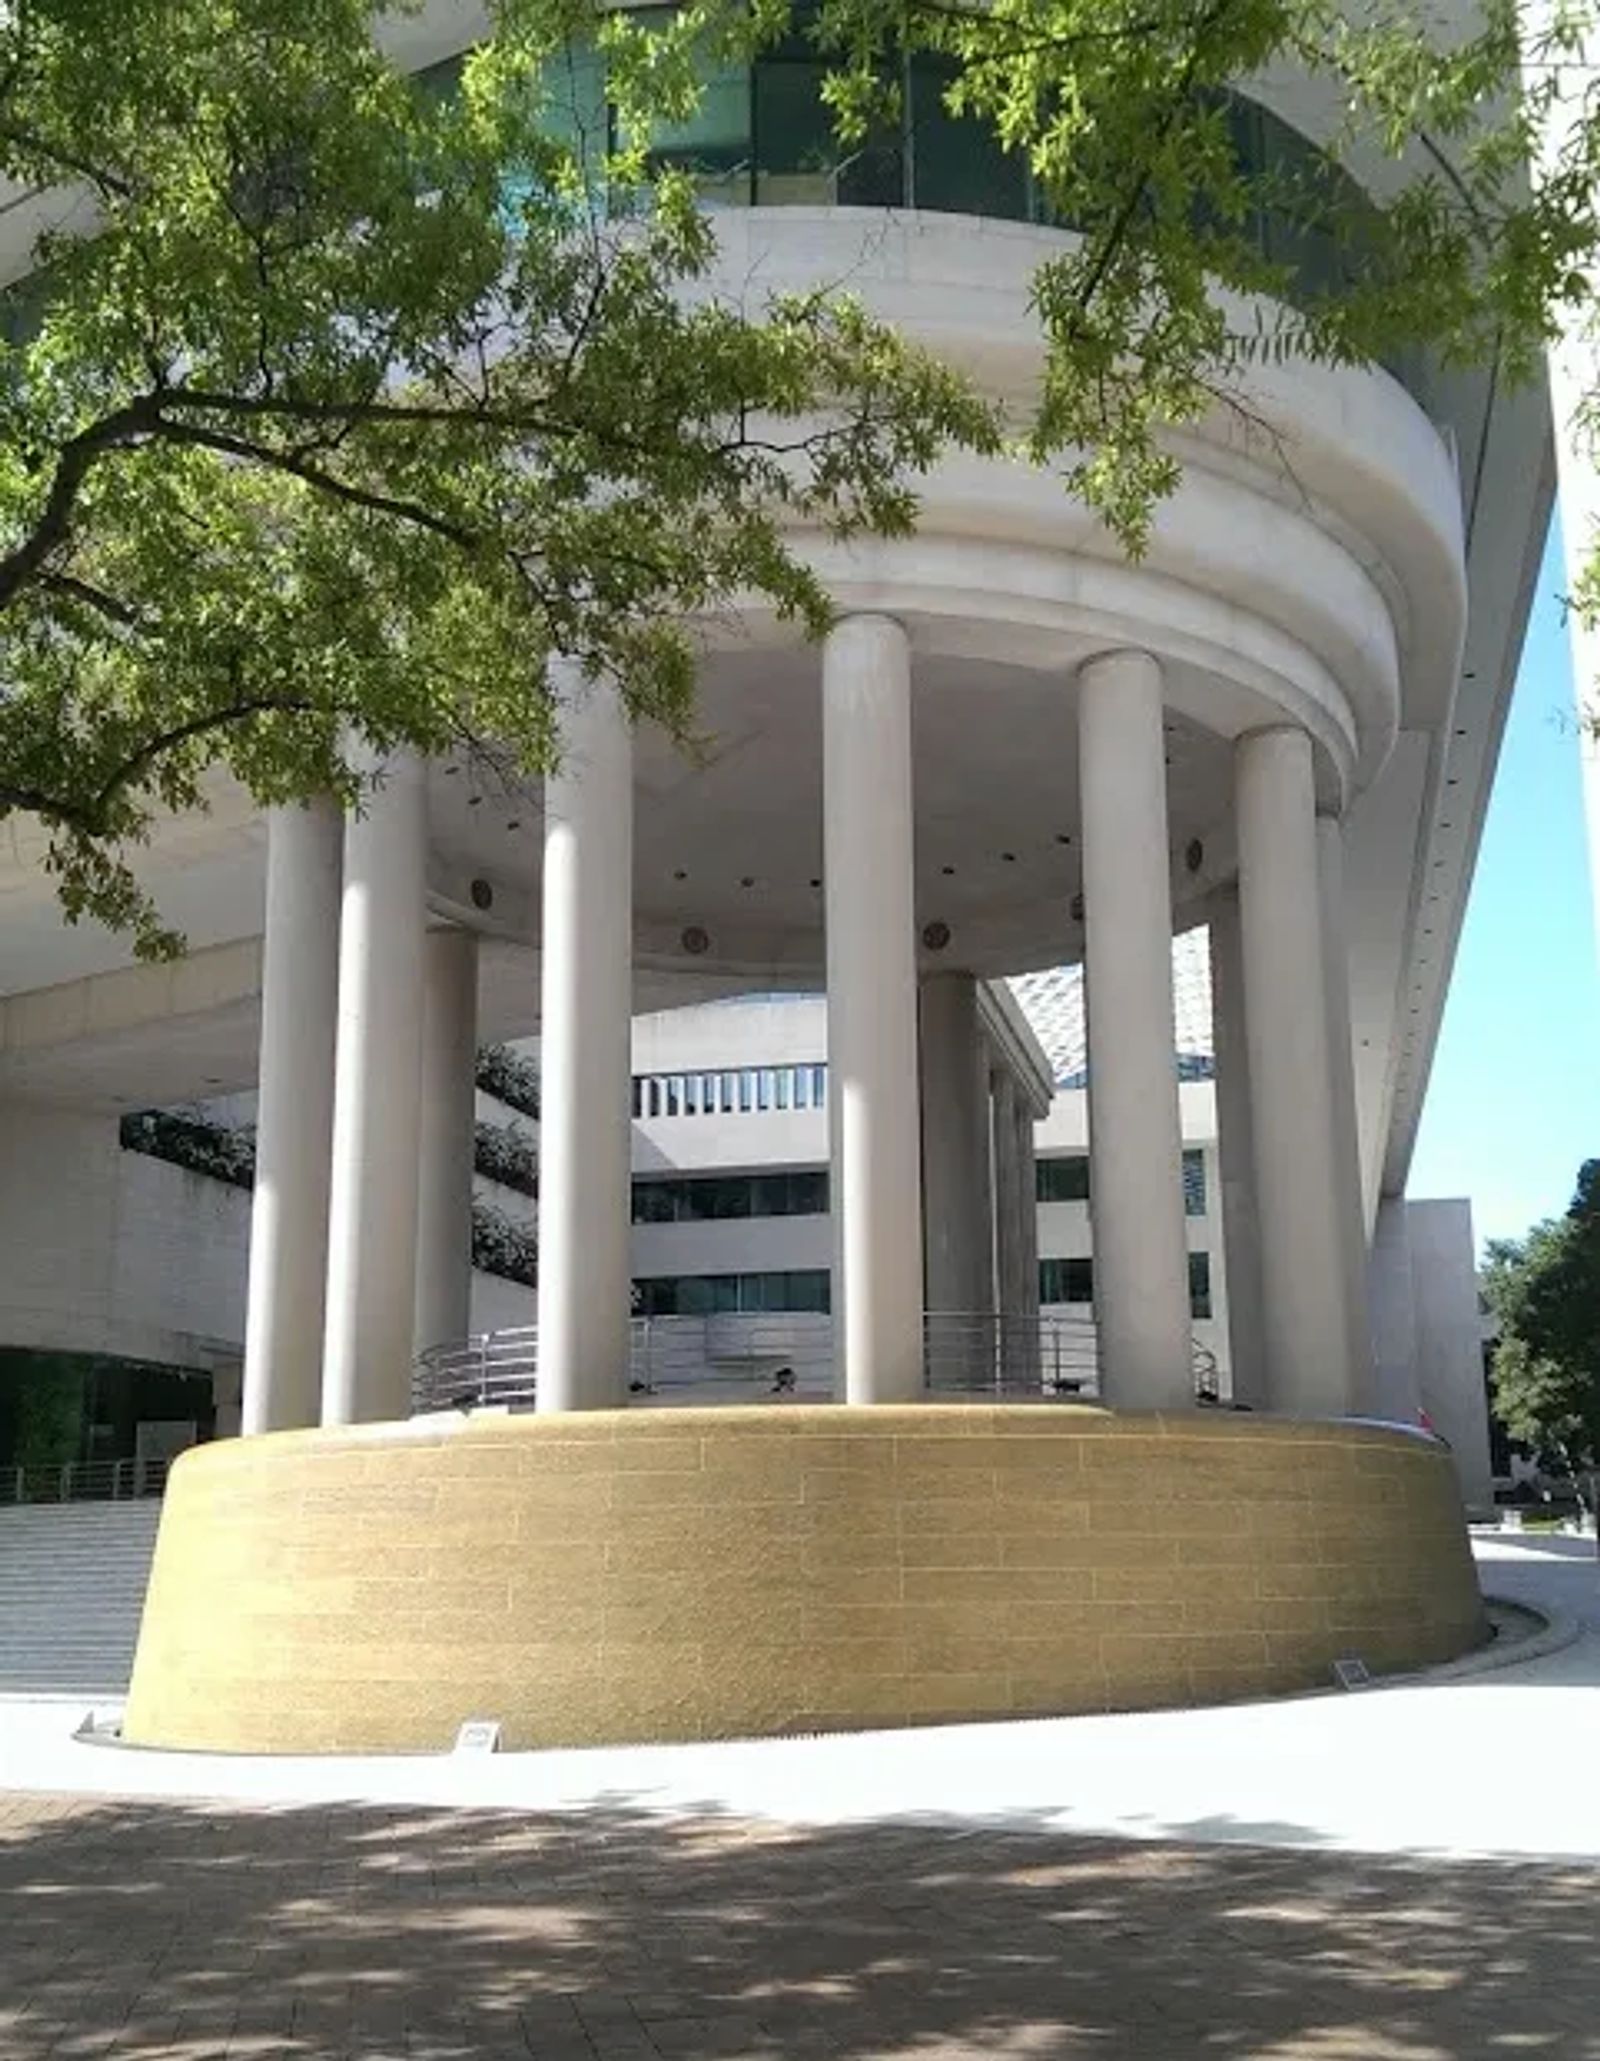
<point>728,1357</point>
<point>749,1357</point>
<point>84,1481</point>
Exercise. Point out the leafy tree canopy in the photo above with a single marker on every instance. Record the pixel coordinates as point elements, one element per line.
<point>336,404</point>
<point>1545,1292</point>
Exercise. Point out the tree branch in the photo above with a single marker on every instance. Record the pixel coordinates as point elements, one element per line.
<point>94,597</point>
<point>313,476</point>
<point>1123,219</point>
<point>77,459</point>
<point>29,140</point>
<point>88,814</point>
<point>169,740</point>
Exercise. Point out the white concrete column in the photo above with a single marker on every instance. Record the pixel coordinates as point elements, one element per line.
<point>372,1227</point>
<point>449,1107</point>
<point>957,1211</point>
<point>1304,1294</point>
<point>1141,1264</point>
<point>872,1011</point>
<point>1024,1356</point>
<point>1346,1131</point>
<point>1008,1233</point>
<point>584,1054</point>
<point>1027,1212</point>
<point>1241,1229</point>
<point>294,1118</point>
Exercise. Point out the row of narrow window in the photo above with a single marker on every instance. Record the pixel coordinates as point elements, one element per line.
<point>744,1091</point>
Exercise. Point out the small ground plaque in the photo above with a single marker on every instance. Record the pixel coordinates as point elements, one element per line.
<point>1351,1672</point>
<point>479,1735</point>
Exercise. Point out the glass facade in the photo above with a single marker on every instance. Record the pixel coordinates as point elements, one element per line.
<point>1066,1280</point>
<point>715,1198</point>
<point>1072,1281</point>
<point>1065,1178</point>
<point>763,136</point>
<point>710,1295</point>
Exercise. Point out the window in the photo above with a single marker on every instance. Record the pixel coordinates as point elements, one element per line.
<point>713,145</point>
<point>1066,1280</point>
<point>654,1202</point>
<point>1063,1180</point>
<point>763,135</point>
<point>1200,1284</point>
<point>717,1198</point>
<point>806,1291</point>
<point>1066,1179</point>
<point>955,162</point>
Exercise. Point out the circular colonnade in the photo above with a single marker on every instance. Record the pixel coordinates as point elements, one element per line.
<point>587,1575</point>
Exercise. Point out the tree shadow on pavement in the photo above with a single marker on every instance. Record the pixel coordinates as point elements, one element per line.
<point>136,1931</point>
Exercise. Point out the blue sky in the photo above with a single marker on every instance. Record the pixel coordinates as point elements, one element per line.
<point>1514,1102</point>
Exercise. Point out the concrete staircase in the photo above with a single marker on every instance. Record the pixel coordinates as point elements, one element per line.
<point>72,1583</point>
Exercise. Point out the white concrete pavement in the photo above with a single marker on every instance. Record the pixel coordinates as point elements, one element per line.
<point>1422,1767</point>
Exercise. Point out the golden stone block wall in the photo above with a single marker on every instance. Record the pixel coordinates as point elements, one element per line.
<point>692,1574</point>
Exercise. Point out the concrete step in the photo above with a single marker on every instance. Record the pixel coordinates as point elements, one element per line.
<point>72,1583</point>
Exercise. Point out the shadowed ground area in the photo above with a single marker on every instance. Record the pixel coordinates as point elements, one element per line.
<point>184,1930</point>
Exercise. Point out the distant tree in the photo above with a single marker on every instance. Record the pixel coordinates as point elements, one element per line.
<point>1545,1291</point>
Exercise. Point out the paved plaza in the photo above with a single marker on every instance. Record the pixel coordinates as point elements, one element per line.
<point>911,1897</point>
<point>186,1931</point>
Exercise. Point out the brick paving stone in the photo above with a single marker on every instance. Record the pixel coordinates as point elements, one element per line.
<point>182,1932</point>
